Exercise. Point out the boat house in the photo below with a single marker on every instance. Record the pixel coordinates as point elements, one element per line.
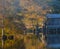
<point>52,30</point>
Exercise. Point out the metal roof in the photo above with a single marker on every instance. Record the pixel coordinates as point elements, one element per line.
<point>53,46</point>
<point>53,26</point>
<point>53,15</point>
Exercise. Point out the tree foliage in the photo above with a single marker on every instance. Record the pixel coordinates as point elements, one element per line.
<point>55,6</point>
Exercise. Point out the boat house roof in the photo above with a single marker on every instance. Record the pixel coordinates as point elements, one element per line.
<point>53,15</point>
